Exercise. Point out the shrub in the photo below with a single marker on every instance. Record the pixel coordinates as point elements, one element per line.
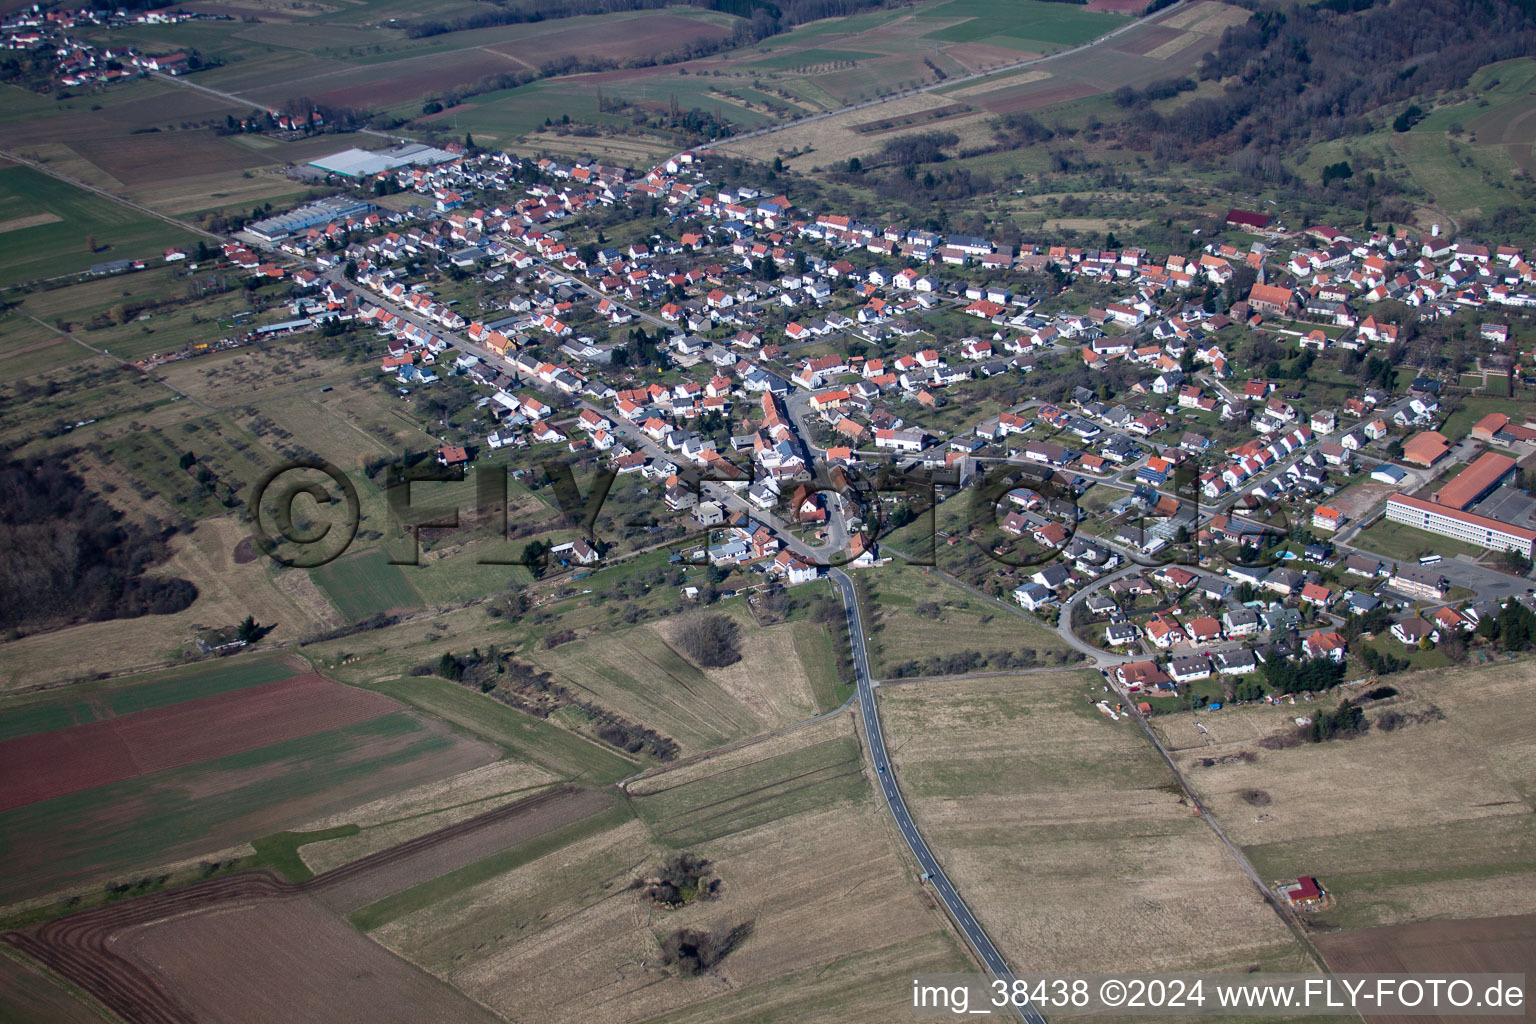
<point>697,951</point>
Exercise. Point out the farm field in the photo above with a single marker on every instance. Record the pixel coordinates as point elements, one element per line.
<point>27,996</point>
<point>1461,797</point>
<point>153,142</point>
<point>365,584</point>
<point>1071,840</point>
<point>1027,25</point>
<point>556,751</point>
<point>163,773</point>
<point>82,703</point>
<point>804,856</point>
<point>310,963</point>
<point>29,348</point>
<point>400,817</point>
<point>42,766</point>
<point>1165,45</point>
<point>901,636</point>
<point>1483,945</point>
<point>639,673</point>
<point>133,955</point>
<point>47,225</point>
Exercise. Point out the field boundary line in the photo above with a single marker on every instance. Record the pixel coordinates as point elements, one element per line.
<point>167,218</point>
<point>1297,928</point>
<point>731,747</point>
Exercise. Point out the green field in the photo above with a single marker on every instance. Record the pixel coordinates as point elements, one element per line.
<point>152,457</point>
<point>521,735</point>
<point>59,246</point>
<point>709,808</point>
<point>1404,543</point>
<point>138,823</point>
<point>365,584</point>
<point>426,894</point>
<point>90,702</point>
<point>1024,24</point>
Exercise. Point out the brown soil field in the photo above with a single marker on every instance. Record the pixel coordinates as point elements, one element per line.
<point>27,997</point>
<point>637,37</point>
<point>410,78</point>
<point>1484,945</point>
<point>223,951</point>
<point>1487,945</point>
<point>1025,97</point>
<point>57,852</point>
<point>366,881</point>
<point>980,56</point>
<point>395,819</point>
<point>140,159</point>
<point>398,82</point>
<point>1149,39</point>
<point>886,124</point>
<point>47,765</point>
<point>290,960</point>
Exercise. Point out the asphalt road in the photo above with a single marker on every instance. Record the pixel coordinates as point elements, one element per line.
<point>875,738</point>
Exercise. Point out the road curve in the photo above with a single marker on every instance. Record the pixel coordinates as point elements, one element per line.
<point>875,738</point>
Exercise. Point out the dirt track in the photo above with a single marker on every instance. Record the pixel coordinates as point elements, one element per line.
<point>84,947</point>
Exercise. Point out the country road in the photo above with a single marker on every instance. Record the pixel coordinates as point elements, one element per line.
<point>875,738</point>
<point>945,84</point>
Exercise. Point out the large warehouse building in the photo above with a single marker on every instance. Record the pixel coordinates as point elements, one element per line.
<point>321,211</point>
<point>361,163</point>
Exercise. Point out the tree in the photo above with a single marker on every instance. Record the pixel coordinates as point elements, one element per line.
<point>855,165</point>
<point>248,632</point>
<point>449,667</point>
<point>90,243</point>
<point>1513,561</point>
<point>710,641</point>
<point>1340,171</point>
<point>1346,720</point>
<point>535,556</point>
